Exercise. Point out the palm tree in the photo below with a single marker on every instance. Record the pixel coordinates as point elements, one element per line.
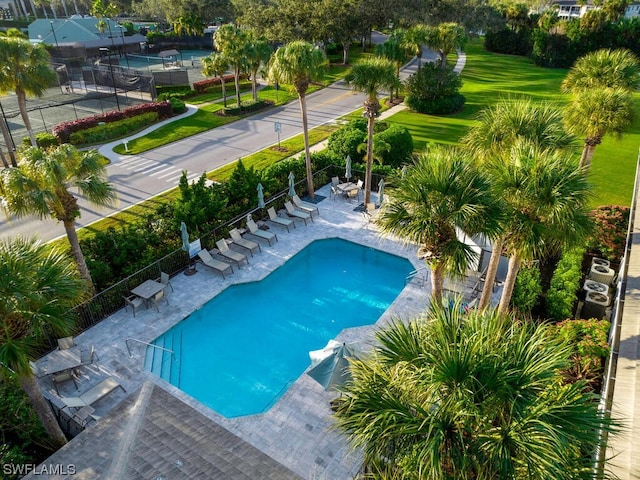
<point>413,40</point>
<point>444,38</point>
<point>26,72</point>
<point>258,54</point>
<point>546,199</point>
<point>41,186</point>
<point>369,77</point>
<point>38,286</point>
<point>231,41</point>
<point>595,112</point>
<point>189,24</point>
<point>604,68</point>
<point>298,64</point>
<point>451,396</point>
<point>498,129</point>
<point>217,65</point>
<point>392,50</point>
<point>442,193</point>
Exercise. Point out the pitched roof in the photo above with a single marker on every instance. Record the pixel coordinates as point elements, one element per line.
<point>79,29</point>
<point>152,434</point>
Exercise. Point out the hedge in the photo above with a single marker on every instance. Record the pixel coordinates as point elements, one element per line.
<point>565,282</point>
<point>108,131</point>
<point>202,85</point>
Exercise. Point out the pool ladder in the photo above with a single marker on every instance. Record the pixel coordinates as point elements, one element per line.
<point>421,275</point>
<point>148,344</point>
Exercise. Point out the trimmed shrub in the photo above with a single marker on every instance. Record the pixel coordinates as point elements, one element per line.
<point>610,231</point>
<point>565,283</point>
<point>177,105</point>
<point>345,141</point>
<point>109,131</point>
<point>527,289</point>
<point>168,89</point>
<point>246,106</point>
<point>44,140</point>
<point>401,143</point>
<point>434,90</point>
<point>202,86</point>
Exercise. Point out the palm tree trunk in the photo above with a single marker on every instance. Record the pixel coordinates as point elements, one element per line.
<point>224,91</point>
<point>29,384</point>
<point>514,266</point>
<point>8,141</point>
<point>587,155</point>
<point>4,159</point>
<point>437,284</point>
<point>370,114</point>
<point>236,75</point>
<point>490,277</point>
<point>305,134</point>
<point>345,52</point>
<point>22,104</point>
<point>254,85</point>
<point>72,236</point>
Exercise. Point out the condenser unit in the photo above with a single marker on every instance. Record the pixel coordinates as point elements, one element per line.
<point>602,274</point>
<point>596,287</point>
<point>595,305</point>
<point>600,261</point>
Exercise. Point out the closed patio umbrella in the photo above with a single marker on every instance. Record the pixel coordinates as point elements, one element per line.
<point>185,236</point>
<point>381,191</point>
<point>347,168</point>
<point>260,196</point>
<point>404,171</point>
<point>292,185</point>
<point>329,365</point>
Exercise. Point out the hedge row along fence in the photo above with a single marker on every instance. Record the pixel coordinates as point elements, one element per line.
<point>202,85</point>
<point>63,131</point>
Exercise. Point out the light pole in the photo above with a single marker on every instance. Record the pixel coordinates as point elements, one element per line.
<point>54,34</point>
<point>124,48</point>
<point>113,78</point>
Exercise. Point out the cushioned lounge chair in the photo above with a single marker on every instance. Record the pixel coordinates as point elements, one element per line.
<point>226,252</point>
<point>255,231</point>
<point>295,213</point>
<point>310,208</point>
<point>91,396</point>
<point>285,222</point>
<point>243,242</point>
<point>212,263</point>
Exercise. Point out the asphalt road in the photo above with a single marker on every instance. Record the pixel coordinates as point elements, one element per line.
<point>139,177</point>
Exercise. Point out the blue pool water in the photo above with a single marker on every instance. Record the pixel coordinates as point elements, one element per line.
<point>240,352</point>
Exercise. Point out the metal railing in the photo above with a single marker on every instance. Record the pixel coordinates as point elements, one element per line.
<point>147,344</point>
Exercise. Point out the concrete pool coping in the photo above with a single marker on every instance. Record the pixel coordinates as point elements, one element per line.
<point>297,430</point>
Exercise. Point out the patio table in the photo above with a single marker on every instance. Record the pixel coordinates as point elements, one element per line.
<point>59,361</point>
<point>147,290</point>
<point>346,187</point>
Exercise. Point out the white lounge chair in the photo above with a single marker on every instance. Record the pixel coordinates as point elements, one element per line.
<point>293,212</point>
<point>91,396</point>
<point>310,208</point>
<point>212,263</point>
<point>285,222</point>
<point>226,252</point>
<point>255,231</point>
<point>243,242</point>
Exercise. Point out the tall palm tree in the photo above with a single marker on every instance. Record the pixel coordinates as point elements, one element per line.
<point>477,396</point>
<point>216,65</point>
<point>444,38</point>
<point>392,50</point>
<point>24,70</point>
<point>41,186</point>
<point>258,54</point>
<point>604,68</point>
<point>546,199</point>
<point>231,41</point>
<point>443,192</point>
<point>38,286</point>
<point>298,64</point>
<point>595,112</point>
<point>369,77</point>
<point>413,39</point>
<point>498,129</point>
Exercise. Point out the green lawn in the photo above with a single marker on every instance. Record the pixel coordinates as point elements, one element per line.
<point>488,77</point>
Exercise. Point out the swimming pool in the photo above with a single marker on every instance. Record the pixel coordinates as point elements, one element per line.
<point>240,352</point>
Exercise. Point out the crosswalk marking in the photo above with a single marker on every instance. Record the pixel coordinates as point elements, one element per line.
<point>159,170</point>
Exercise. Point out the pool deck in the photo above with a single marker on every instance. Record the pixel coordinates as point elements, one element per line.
<point>297,431</point>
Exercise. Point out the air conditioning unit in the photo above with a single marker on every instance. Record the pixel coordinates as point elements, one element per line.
<point>600,261</point>
<point>595,305</point>
<point>597,298</point>
<point>596,287</point>
<point>602,274</point>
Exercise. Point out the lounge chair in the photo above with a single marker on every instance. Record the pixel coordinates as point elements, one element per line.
<point>212,263</point>
<point>255,231</point>
<point>243,242</point>
<point>226,252</point>
<point>310,208</point>
<point>285,222</point>
<point>293,212</point>
<point>91,396</point>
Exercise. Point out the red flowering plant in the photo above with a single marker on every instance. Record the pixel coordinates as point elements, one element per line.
<point>588,339</point>
<point>610,231</point>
